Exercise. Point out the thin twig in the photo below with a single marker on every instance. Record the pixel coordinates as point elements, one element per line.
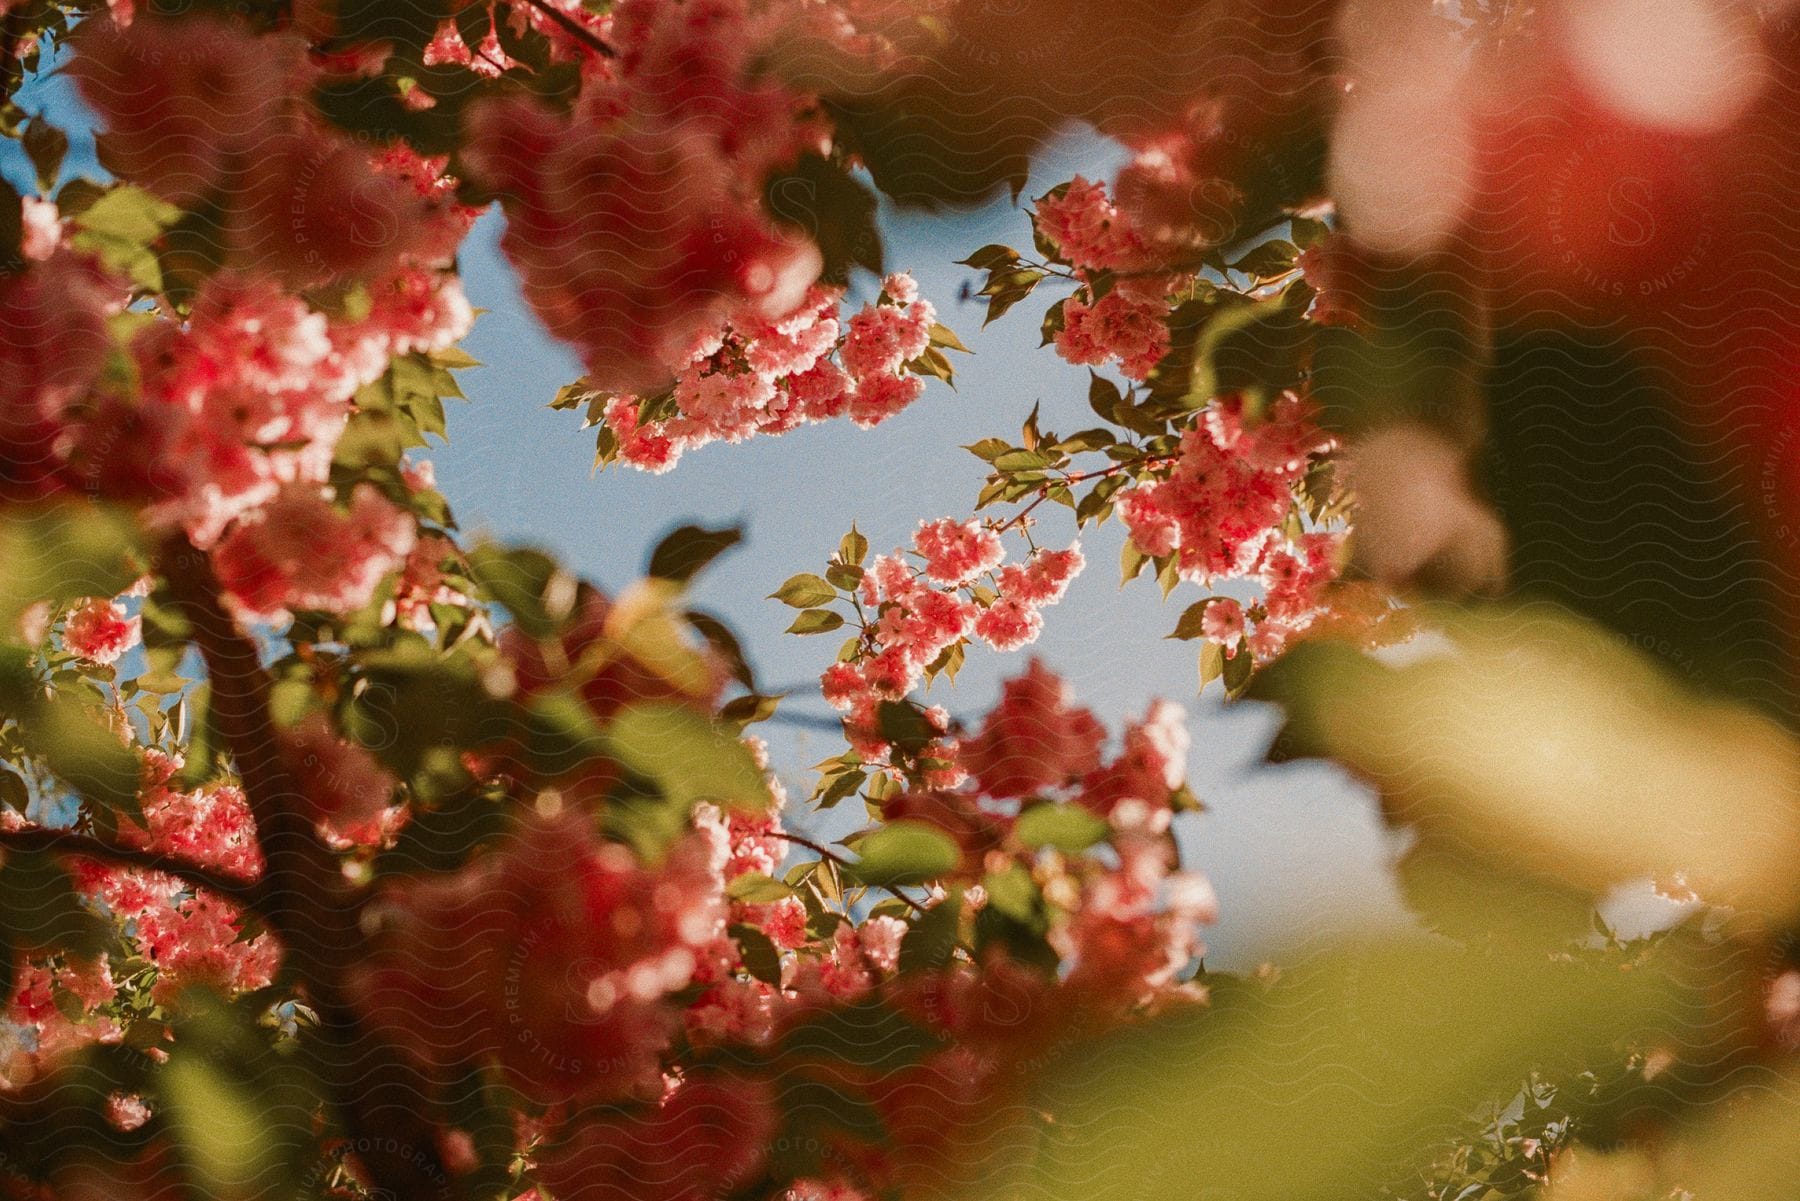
<point>832,857</point>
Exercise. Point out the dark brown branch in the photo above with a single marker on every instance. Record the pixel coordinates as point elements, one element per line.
<point>307,902</point>
<point>68,842</point>
<point>575,29</point>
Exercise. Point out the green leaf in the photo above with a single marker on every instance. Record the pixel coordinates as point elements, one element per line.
<point>1006,288</point>
<point>60,552</point>
<point>989,257</point>
<point>1212,663</point>
<point>904,724</point>
<point>748,710</point>
<point>1131,562</point>
<point>1307,233</point>
<point>45,145</point>
<point>1014,894</point>
<point>688,550</point>
<point>40,911</point>
<point>1267,260</point>
<point>989,449</point>
<point>118,229</point>
<point>1188,626</point>
<point>833,209</point>
<point>1256,348</point>
<point>687,756</point>
<point>865,1034</point>
<point>1085,440</point>
<point>816,621</point>
<point>839,786</point>
<point>1067,827</point>
<point>535,589</point>
<point>754,888</point>
<point>1237,670</point>
<point>843,576</point>
<point>760,957</point>
<point>804,591</point>
<point>933,363</point>
<point>223,1126</point>
<point>930,941</point>
<point>83,753</point>
<point>1104,397</point>
<point>903,852</point>
<point>943,335</point>
<point>853,548</point>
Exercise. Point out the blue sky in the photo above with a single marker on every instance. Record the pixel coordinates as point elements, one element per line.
<point>1290,849</point>
<point>1293,851</point>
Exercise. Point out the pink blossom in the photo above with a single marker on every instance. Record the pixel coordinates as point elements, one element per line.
<point>302,552</point>
<point>1118,328</point>
<point>1008,624</point>
<point>878,397</point>
<point>100,632</point>
<point>880,938</point>
<point>1034,739</point>
<point>1222,621</point>
<point>631,270</point>
<point>214,97</point>
<point>882,337</point>
<point>957,552</point>
<point>1086,227</point>
<point>42,228</point>
<point>558,952</point>
<point>346,787</point>
<point>708,1137</point>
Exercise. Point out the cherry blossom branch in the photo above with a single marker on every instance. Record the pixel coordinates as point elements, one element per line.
<point>68,842</point>
<point>837,860</point>
<point>574,29</point>
<point>1019,520</point>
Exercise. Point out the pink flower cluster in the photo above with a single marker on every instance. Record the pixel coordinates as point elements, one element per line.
<point>1126,322</point>
<point>100,631</point>
<point>350,791</point>
<point>235,419</point>
<point>1089,230</point>
<point>1222,512</point>
<point>189,936</point>
<point>1229,490</point>
<point>1034,739</point>
<point>914,622</point>
<point>844,965</point>
<point>559,953</point>
<point>204,110</point>
<point>302,552</point>
<point>54,343</point>
<point>1124,927</point>
<point>1123,327</point>
<point>636,223</point>
<point>1136,927</point>
<point>248,399</point>
<point>706,1137</point>
<point>752,376</point>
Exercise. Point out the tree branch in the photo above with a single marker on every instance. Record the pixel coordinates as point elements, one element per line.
<point>68,842</point>
<point>574,29</point>
<point>307,902</point>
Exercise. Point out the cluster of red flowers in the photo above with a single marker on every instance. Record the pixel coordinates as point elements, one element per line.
<point>636,220</point>
<point>185,935</point>
<point>756,376</point>
<point>910,622</point>
<point>1126,322</point>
